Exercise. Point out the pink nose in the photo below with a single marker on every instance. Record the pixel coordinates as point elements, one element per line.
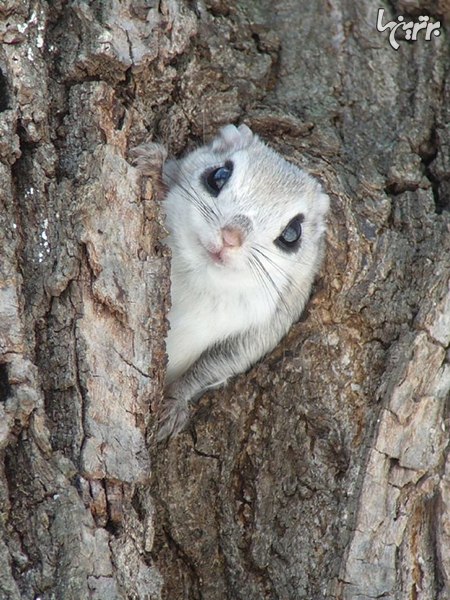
<point>232,237</point>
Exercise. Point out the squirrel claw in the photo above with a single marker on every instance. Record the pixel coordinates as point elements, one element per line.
<point>172,419</point>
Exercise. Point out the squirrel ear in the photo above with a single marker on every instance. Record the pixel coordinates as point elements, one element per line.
<point>231,137</point>
<point>323,203</point>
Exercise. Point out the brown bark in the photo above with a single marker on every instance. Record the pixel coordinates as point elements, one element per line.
<point>321,473</point>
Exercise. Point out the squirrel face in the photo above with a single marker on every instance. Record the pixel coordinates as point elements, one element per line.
<point>241,215</point>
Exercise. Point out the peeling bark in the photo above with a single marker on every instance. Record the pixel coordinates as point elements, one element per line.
<point>324,471</point>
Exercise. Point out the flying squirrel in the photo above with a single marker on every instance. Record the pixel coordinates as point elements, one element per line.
<point>246,231</point>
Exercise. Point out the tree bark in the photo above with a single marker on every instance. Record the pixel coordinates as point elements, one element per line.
<point>324,471</point>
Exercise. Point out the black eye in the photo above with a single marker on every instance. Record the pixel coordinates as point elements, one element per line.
<point>216,179</point>
<point>290,237</point>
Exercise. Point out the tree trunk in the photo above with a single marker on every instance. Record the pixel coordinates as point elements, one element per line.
<point>324,471</point>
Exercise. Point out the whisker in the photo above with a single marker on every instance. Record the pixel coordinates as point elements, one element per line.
<point>260,277</point>
<point>284,256</point>
<point>194,193</point>
<point>190,195</point>
<point>289,279</point>
<point>269,279</point>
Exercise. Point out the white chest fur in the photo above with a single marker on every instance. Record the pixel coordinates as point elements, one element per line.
<point>208,307</point>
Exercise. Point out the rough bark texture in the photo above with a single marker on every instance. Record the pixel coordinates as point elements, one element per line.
<point>322,473</point>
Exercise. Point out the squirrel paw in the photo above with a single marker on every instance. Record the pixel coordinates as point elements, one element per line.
<point>149,158</point>
<point>173,418</point>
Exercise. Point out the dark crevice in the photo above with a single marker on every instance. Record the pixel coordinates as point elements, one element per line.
<point>396,188</point>
<point>5,388</point>
<point>136,503</point>
<point>27,148</point>
<point>113,528</point>
<point>205,454</point>
<point>4,96</point>
<point>440,202</point>
<point>428,154</point>
<point>189,565</point>
<point>218,9</point>
<point>257,39</point>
